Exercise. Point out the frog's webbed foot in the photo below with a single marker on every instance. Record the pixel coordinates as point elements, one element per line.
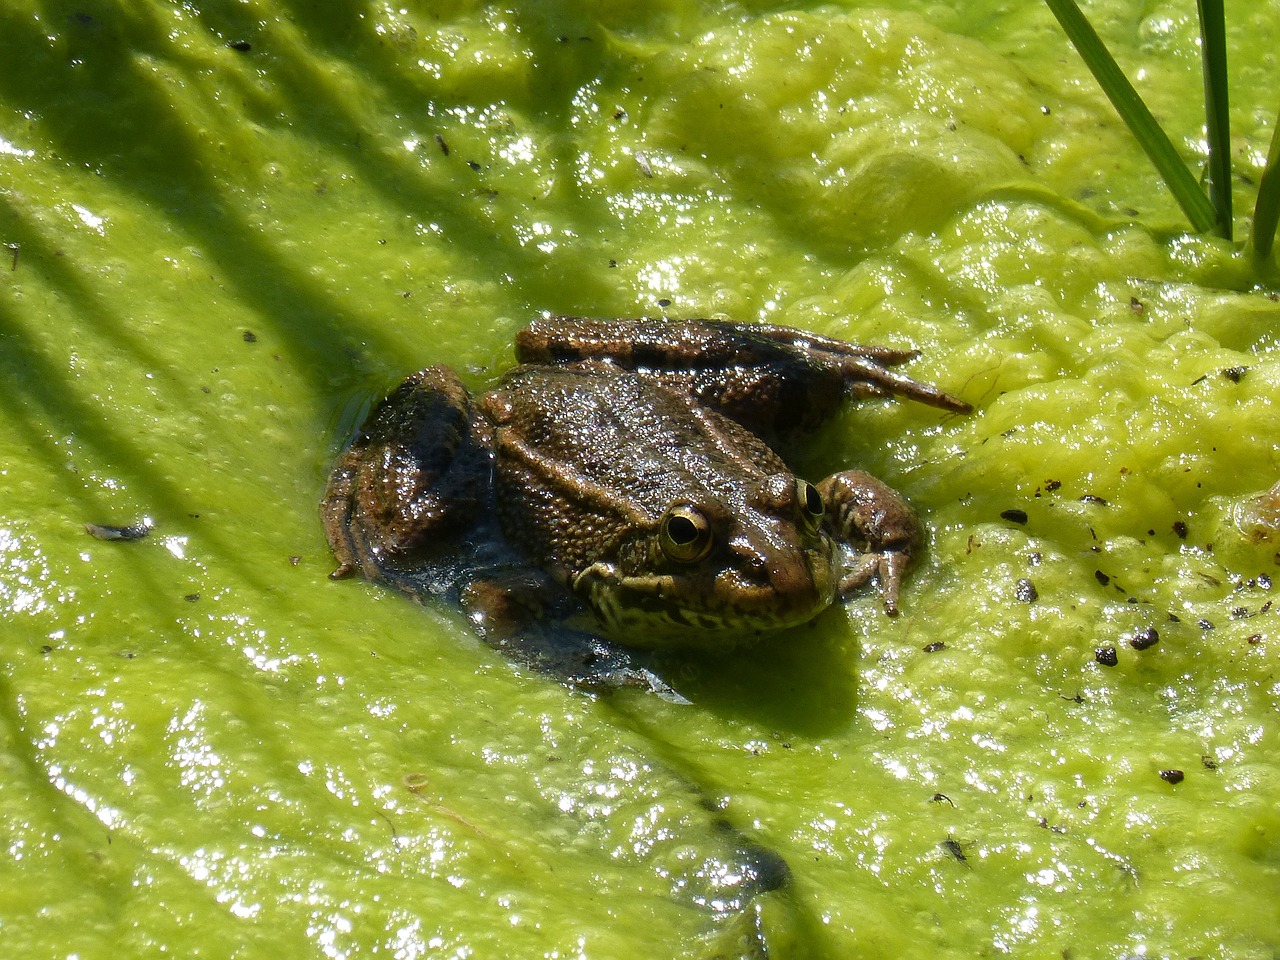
<point>413,477</point>
<point>521,612</point>
<point>864,369</point>
<point>870,515</point>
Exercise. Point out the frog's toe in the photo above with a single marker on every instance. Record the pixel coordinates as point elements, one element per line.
<point>871,377</point>
<point>887,569</point>
<point>342,571</point>
<point>892,568</point>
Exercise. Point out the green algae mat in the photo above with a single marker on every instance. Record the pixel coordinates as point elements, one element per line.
<point>227,227</point>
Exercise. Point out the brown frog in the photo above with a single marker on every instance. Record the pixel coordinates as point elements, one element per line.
<point>621,483</point>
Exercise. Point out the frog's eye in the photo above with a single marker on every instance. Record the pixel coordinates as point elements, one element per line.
<point>686,533</point>
<point>811,501</point>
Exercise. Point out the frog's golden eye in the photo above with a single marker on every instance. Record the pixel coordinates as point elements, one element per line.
<point>686,533</point>
<point>811,501</point>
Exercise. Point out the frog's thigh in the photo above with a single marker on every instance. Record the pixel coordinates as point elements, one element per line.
<point>413,476</point>
<point>870,515</point>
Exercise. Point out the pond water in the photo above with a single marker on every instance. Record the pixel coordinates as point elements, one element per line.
<point>230,226</point>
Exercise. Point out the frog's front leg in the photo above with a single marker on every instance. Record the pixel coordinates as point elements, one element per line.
<point>417,473</point>
<point>874,518</point>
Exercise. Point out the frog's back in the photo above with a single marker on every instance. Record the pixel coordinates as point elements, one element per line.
<point>588,453</point>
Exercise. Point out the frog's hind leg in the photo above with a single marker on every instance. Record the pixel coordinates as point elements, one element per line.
<point>774,380</point>
<point>864,368</point>
<point>415,476</point>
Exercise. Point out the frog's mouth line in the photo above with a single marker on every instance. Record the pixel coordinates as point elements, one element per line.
<point>639,610</point>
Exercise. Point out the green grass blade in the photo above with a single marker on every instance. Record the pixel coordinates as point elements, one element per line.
<point>1213,49</point>
<point>1266,211</point>
<point>1135,114</point>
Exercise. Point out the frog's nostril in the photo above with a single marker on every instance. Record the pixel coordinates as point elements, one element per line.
<point>753,568</point>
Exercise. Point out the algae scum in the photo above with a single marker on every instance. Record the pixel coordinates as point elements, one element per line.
<point>229,226</point>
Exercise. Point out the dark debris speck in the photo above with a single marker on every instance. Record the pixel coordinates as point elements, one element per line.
<point>953,847</point>
<point>128,534</point>
<point>1235,374</point>
<point>1144,639</point>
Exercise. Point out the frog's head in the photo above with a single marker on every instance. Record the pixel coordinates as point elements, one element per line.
<point>711,572</point>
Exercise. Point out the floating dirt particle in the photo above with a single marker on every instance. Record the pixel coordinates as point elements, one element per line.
<point>953,847</point>
<point>134,531</point>
<point>1144,639</point>
<point>1235,374</point>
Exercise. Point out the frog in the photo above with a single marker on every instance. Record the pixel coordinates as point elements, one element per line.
<point>620,492</point>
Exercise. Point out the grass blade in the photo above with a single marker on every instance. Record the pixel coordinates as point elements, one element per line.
<point>1213,49</point>
<point>1135,114</point>
<point>1266,211</point>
